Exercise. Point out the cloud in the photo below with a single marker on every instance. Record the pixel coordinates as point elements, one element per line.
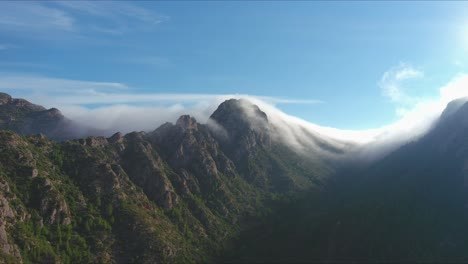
<point>76,18</point>
<point>371,144</point>
<point>133,112</point>
<point>392,82</point>
<point>415,119</point>
<point>36,84</point>
<point>77,92</point>
<point>114,11</point>
<point>33,16</point>
<point>111,107</point>
<point>296,133</point>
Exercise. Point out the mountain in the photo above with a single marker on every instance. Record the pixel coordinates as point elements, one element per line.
<point>419,196</point>
<point>24,117</point>
<point>230,190</point>
<point>410,206</point>
<point>181,193</point>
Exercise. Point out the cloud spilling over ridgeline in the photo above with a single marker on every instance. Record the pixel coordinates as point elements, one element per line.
<point>111,107</point>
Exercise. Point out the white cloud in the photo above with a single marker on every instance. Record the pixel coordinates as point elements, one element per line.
<point>35,84</point>
<point>117,111</point>
<point>415,119</point>
<point>33,16</point>
<point>122,110</point>
<point>77,92</point>
<point>39,18</point>
<point>407,72</point>
<point>392,80</point>
<point>114,11</point>
<point>113,18</point>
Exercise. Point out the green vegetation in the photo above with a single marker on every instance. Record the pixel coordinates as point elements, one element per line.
<point>175,195</point>
<point>91,201</point>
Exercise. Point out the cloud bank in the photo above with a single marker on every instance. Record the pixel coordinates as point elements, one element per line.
<point>110,107</point>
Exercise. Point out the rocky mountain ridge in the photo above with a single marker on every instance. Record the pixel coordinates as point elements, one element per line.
<point>24,117</point>
<point>228,190</point>
<point>410,206</point>
<point>179,193</point>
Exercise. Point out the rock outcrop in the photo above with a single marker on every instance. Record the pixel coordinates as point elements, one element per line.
<point>176,194</point>
<point>24,117</point>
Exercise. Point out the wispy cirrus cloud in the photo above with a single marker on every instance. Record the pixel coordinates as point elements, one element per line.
<point>33,16</point>
<point>36,84</point>
<point>112,18</point>
<point>114,11</point>
<point>80,92</point>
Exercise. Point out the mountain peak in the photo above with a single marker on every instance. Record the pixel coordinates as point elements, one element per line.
<point>242,123</point>
<point>187,122</point>
<point>24,117</point>
<point>7,100</point>
<point>454,115</point>
<point>4,98</point>
<point>233,113</point>
<point>453,107</point>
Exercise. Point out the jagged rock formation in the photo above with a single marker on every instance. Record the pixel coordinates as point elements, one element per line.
<point>177,194</point>
<point>186,192</point>
<point>24,117</point>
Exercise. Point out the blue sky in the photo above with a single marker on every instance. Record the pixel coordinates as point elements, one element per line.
<point>349,65</point>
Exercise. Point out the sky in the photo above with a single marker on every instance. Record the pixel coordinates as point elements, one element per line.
<point>346,65</point>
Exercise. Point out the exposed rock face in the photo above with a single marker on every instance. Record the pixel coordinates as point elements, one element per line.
<point>245,127</point>
<point>7,218</point>
<point>190,147</point>
<point>242,121</point>
<point>144,166</point>
<point>25,104</point>
<point>179,193</point>
<point>244,134</point>
<point>176,194</point>
<point>187,123</point>
<point>116,138</point>
<point>24,117</point>
<point>4,98</point>
<point>52,206</point>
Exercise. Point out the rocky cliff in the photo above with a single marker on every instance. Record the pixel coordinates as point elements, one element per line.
<point>180,193</point>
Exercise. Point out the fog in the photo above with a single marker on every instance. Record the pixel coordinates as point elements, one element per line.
<point>120,112</point>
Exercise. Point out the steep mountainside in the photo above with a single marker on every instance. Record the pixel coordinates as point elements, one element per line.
<point>24,117</point>
<point>411,206</point>
<point>178,194</point>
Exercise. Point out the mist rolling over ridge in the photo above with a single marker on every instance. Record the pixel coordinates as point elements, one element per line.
<point>233,132</point>
<point>119,116</point>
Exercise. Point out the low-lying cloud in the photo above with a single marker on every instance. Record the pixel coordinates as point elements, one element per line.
<point>110,107</point>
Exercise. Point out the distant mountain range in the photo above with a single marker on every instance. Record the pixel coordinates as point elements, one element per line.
<point>228,190</point>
